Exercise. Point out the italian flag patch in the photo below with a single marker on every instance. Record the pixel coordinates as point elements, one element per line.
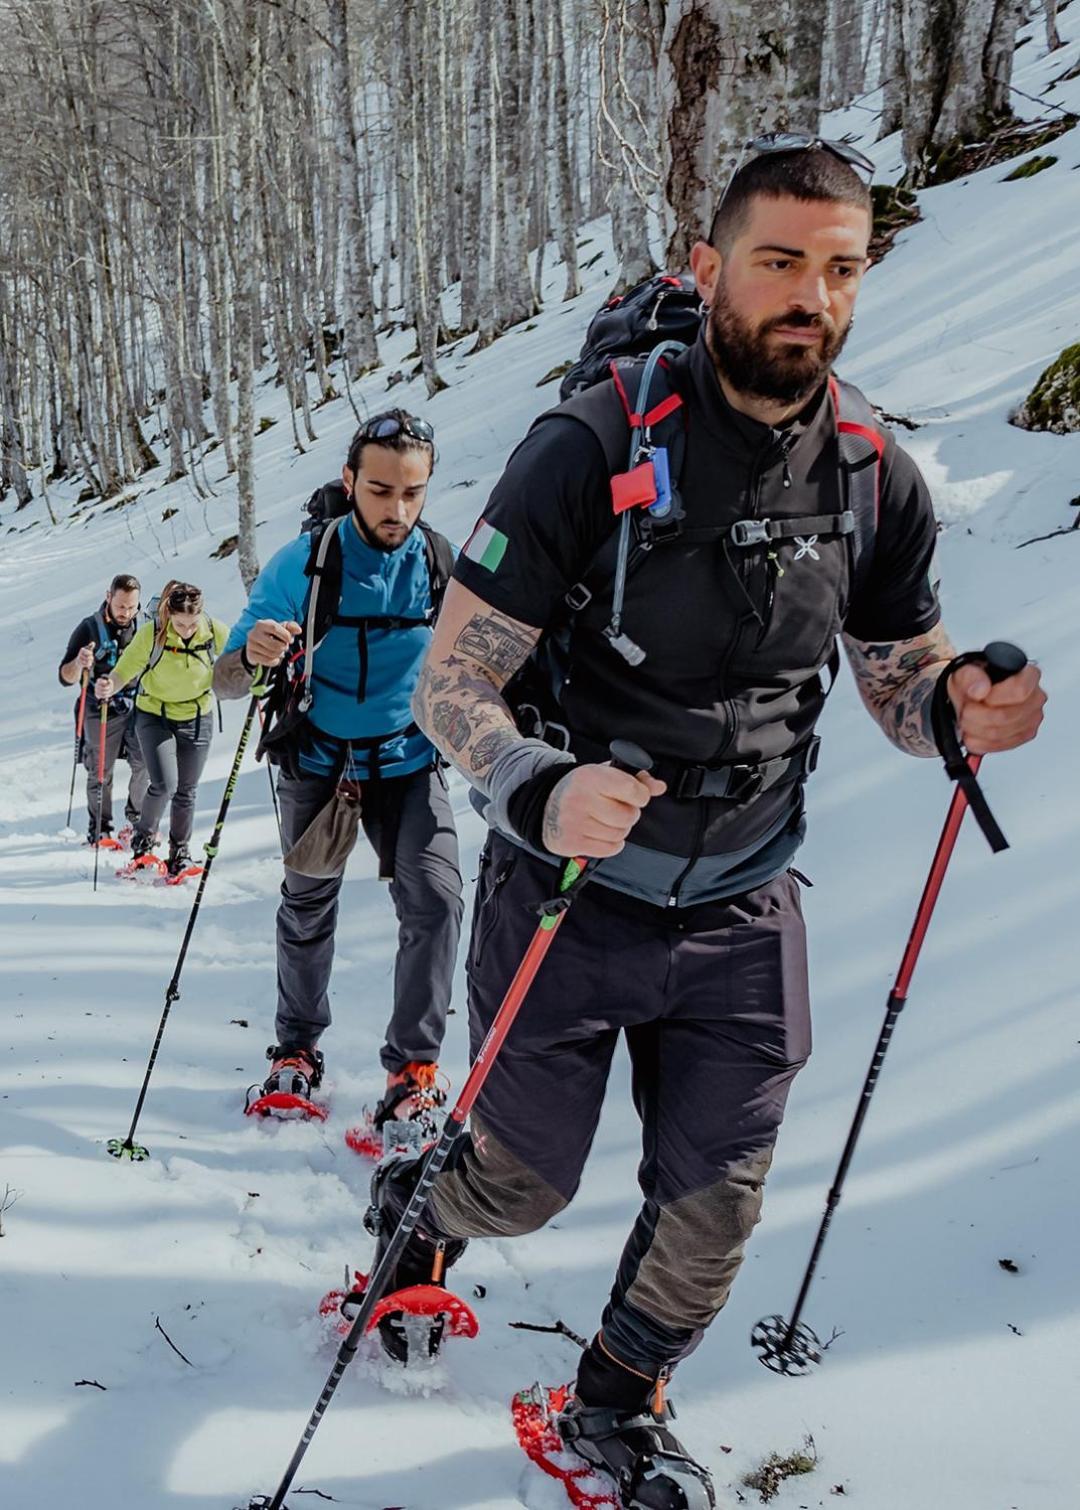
<point>486,546</point>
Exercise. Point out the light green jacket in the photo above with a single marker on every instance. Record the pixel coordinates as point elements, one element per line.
<point>179,685</point>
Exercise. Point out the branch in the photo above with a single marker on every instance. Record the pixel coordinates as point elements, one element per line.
<point>7,1200</point>
<point>172,1344</point>
<point>559,1327</point>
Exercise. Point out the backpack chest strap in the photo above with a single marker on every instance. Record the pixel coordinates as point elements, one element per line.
<point>747,532</point>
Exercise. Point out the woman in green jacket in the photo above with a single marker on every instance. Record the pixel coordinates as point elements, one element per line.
<point>173,661</point>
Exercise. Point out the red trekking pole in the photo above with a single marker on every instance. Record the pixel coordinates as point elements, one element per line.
<point>80,716</point>
<point>626,757</point>
<point>789,1347</point>
<point>101,783</point>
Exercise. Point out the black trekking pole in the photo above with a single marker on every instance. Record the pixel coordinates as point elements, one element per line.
<point>790,1347</point>
<point>78,743</point>
<point>273,789</point>
<point>101,784</point>
<point>128,1148</point>
<point>626,757</point>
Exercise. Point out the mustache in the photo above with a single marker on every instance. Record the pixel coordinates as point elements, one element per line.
<point>799,319</point>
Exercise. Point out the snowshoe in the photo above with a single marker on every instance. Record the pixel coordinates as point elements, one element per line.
<point>286,1091</point>
<point>626,1458</point>
<point>408,1117</point>
<point>418,1318</point>
<point>125,836</point>
<point>106,841</point>
<point>143,862</point>
<point>421,1267</point>
<point>179,867</point>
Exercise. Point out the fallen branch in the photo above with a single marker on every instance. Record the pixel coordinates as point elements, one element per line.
<point>91,1382</point>
<point>172,1344</point>
<point>1063,529</point>
<point>559,1327</point>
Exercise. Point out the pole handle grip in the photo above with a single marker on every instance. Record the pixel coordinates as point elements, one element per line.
<point>629,757</point>
<point>1002,660</point>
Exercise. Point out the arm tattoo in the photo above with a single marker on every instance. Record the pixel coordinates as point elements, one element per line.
<point>458,701</point>
<point>551,818</point>
<point>896,681</point>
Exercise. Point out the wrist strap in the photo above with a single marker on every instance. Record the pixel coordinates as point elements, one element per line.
<point>957,761</point>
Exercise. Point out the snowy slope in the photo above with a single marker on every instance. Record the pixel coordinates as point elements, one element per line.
<point>954,1382</point>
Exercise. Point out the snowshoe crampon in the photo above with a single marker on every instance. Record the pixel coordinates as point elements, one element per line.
<point>373,1142</point>
<point>146,868</point>
<point>608,1458</point>
<point>284,1105</point>
<point>407,1119</point>
<point>188,873</point>
<point>412,1322</point>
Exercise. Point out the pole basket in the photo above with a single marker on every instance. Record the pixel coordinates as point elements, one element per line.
<point>783,1350</point>
<point>124,1148</point>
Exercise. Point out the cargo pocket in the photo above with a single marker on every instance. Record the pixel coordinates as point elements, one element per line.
<point>493,875</point>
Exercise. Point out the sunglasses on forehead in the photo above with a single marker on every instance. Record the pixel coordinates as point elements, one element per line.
<point>386,426</point>
<point>794,141</point>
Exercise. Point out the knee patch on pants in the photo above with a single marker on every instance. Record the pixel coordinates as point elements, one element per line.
<point>490,1193</point>
<point>686,1272</point>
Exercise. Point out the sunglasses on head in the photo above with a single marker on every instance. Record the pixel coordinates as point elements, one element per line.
<point>794,141</point>
<point>185,599</point>
<point>386,426</point>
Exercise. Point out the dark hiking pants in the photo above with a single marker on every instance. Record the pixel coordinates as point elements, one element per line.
<point>426,893</point>
<point>121,742</point>
<point>716,1016</point>
<point>175,754</point>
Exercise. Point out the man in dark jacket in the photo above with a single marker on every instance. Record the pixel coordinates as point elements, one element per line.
<point>359,730</point>
<point>95,646</point>
<point>689,940</point>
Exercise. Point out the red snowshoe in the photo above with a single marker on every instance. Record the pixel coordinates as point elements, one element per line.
<point>286,1091</point>
<point>607,1458</point>
<point>415,1320</point>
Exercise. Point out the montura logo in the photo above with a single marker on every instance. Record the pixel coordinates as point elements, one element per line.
<point>806,547</point>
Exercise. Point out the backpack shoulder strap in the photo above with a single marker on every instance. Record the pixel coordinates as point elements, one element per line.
<point>862,445</point>
<point>439,554</point>
<point>324,567</point>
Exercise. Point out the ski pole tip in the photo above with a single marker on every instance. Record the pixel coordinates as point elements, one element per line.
<point>785,1350</point>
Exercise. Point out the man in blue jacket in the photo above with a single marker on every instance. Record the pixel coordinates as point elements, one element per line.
<point>378,595</point>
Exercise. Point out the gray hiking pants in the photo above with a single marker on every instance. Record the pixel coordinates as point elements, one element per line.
<point>175,754</point>
<point>426,892</point>
<point>715,1010</point>
<point>121,742</point>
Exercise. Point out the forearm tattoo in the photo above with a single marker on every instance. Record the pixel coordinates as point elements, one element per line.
<point>458,700</point>
<point>552,813</point>
<point>896,680</point>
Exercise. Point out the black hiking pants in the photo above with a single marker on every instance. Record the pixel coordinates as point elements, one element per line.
<point>175,753</point>
<point>715,1009</point>
<point>425,891</point>
<point>121,743</point>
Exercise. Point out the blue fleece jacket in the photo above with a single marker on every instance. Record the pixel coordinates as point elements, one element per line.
<point>346,703</point>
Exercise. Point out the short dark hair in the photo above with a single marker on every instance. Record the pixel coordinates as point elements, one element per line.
<point>124,582</point>
<point>809,174</point>
<point>402,440</point>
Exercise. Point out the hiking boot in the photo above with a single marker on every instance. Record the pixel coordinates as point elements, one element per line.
<point>648,1464</point>
<point>411,1095</point>
<point>293,1072</point>
<point>141,844</point>
<point>424,1261</point>
<point>179,859</point>
<point>618,1421</point>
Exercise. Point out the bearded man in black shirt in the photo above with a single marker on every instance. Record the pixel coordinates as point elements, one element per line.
<point>689,939</point>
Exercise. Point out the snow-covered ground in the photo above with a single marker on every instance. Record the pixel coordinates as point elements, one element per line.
<point>954,1382</point>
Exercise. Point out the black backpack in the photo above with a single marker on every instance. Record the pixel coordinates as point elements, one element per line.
<point>285,727</point>
<point>629,340</point>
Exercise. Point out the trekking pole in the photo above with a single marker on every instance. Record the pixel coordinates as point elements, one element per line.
<point>273,789</point>
<point>128,1148</point>
<point>789,1347</point>
<point>101,784</point>
<point>626,757</point>
<point>78,742</point>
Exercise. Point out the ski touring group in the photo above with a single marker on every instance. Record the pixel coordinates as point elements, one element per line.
<point>626,662</point>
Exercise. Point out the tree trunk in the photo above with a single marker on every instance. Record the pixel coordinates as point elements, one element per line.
<point>362,352</point>
<point>808,29</point>
<point>722,80</point>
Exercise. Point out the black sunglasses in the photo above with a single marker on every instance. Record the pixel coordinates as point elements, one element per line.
<point>386,426</point>
<point>794,141</point>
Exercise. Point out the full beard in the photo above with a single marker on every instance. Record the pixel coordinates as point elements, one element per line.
<point>757,365</point>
